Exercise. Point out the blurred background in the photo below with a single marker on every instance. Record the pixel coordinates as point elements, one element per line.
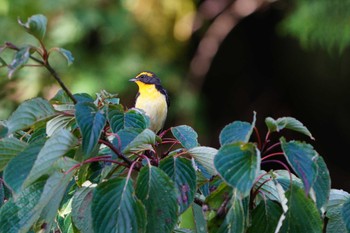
<point>220,61</point>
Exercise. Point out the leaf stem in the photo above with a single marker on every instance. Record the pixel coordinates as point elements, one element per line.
<point>271,155</point>
<point>258,136</point>
<point>116,151</point>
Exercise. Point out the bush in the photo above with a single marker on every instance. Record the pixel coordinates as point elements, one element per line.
<point>76,163</point>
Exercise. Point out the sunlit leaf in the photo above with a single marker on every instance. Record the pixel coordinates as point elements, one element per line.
<point>235,218</point>
<point>205,156</point>
<point>302,158</point>
<point>29,113</point>
<point>91,122</point>
<point>57,123</point>
<point>143,141</point>
<point>81,209</point>
<point>186,136</point>
<point>115,208</point>
<point>157,192</point>
<point>9,148</point>
<point>301,210</point>
<point>287,123</point>
<point>181,171</point>
<point>238,164</point>
<point>35,25</point>
<point>265,217</point>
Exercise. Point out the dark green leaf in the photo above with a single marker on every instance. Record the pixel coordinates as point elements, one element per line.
<point>322,185</point>
<point>29,113</point>
<point>54,148</point>
<point>287,123</point>
<point>157,192</point>
<point>67,55</point>
<point>21,58</point>
<point>9,148</point>
<point>18,169</point>
<point>3,130</point>
<point>205,156</point>
<point>185,135</point>
<point>115,208</point>
<point>181,171</point>
<point>18,215</point>
<point>265,217</point>
<point>337,199</point>
<point>302,158</point>
<point>346,214</point>
<point>238,164</point>
<point>91,122</point>
<point>130,119</point>
<point>81,209</point>
<point>219,196</point>
<point>303,211</point>
<point>35,25</point>
<point>235,218</point>
<point>237,131</point>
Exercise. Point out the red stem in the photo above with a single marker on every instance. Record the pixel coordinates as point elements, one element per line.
<point>258,136</point>
<point>272,155</point>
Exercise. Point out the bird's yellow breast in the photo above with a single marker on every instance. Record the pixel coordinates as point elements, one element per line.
<point>153,103</point>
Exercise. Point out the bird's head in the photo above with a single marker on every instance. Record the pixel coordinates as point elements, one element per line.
<point>146,77</point>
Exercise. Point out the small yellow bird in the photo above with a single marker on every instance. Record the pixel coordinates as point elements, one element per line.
<point>152,98</point>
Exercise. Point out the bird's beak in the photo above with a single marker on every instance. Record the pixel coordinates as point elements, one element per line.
<point>133,80</point>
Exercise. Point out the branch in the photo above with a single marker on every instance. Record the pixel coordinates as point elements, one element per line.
<point>116,151</point>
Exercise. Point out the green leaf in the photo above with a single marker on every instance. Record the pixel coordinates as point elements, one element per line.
<point>185,135</point>
<point>346,214</point>
<point>3,129</point>
<point>54,148</point>
<point>193,220</point>
<point>67,55</point>
<point>21,58</point>
<point>20,166</point>
<point>322,185</point>
<point>219,196</point>
<point>286,123</point>
<point>18,215</point>
<point>238,164</point>
<point>336,221</point>
<point>265,217</point>
<point>134,142</point>
<point>303,211</point>
<point>81,209</point>
<point>237,131</point>
<point>91,122</point>
<point>157,192</point>
<point>35,25</point>
<point>130,119</point>
<point>235,218</point>
<point>301,157</point>
<point>9,148</point>
<point>115,208</point>
<point>57,123</point>
<point>30,112</point>
<point>181,171</point>
<point>205,156</point>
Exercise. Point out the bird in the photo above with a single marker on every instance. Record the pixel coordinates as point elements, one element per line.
<point>152,98</point>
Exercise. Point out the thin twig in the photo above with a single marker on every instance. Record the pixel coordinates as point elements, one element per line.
<point>117,152</point>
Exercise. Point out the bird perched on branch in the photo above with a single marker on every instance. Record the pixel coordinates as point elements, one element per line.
<point>152,98</point>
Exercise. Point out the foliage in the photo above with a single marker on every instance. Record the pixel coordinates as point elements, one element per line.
<point>75,163</point>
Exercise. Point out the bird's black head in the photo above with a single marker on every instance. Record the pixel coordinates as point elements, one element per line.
<point>146,77</point>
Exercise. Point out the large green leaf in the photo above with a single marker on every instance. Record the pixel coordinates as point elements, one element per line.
<point>322,185</point>
<point>9,148</point>
<point>205,156</point>
<point>237,131</point>
<point>265,217</point>
<point>181,171</point>
<point>287,123</point>
<point>158,193</point>
<point>118,119</point>
<point>193,220</point>
<point>20,166</point>
<point>57,123</point>
<point>302,214</point>
<point>91,122</point>
<point>35,25</point>
<point>336,221</point>
<point>345,211</point>
<point>115,208</point>
<point>143,141</point>
<point>302,158</point>
<point>238,164</point>
<point>235,218</point>
<point>18,215</point>
<point>54,148</point>
<point>185,135</point>
<point>81,210</point>
<point>28,113</point>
